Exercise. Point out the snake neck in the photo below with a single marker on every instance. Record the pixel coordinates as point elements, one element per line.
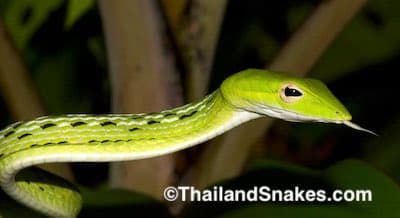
<point>118,137</point>
<point>88,138</point>
<point>209,118</point>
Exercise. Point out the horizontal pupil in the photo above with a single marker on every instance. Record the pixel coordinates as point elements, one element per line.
<point>292,92</point>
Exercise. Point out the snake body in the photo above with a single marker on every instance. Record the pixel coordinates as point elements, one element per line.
<point>120,137</point>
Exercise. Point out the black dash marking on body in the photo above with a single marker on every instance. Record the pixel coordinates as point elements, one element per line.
<point>62,142</point>
<point>105,141</point>
<point>136,117</point>
<point>1,155</point>
<point>169,114</point>
<point>49,143</point>
<point>129,140</point>
<point>47,125</point>
<point>41,188</point>
<point>134,129</point>
<point>152,138</point>
<point>118,140</point>
<point>24,135</point>
<point>187,115</point>
<point>93,141</point>
<point>107,123</point>
<point>79,123</point>
<point>9,133</point>
<point>34,145</point>
<point>17,125</point>
<point>150,122</point>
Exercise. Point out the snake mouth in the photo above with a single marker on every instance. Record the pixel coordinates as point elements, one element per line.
<point>291,116</point>
<point>295,117</point>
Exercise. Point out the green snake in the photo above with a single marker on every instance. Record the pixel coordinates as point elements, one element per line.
<point>244,96</point>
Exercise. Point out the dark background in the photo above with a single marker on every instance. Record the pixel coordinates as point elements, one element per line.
<point>69,69</point>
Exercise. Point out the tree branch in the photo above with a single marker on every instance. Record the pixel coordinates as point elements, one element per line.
<point>17,87</point>
<point>19,92</point>
<point>196,33</point>
<point>143,79</point>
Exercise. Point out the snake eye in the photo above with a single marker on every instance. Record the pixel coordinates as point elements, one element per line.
<point>290,93</point>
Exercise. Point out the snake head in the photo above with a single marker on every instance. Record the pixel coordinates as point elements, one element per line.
<point>285,97</point>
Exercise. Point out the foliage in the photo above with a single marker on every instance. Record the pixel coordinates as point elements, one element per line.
<point>76,9</point>
<point>25,17</point>
<point>344,175</point>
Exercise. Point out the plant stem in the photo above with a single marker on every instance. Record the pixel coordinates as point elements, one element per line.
<point>143,79</point>
<point>196,34</point>
<point>19,92</point>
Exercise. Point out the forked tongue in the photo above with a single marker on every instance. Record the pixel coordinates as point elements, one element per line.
<point>357,127</point>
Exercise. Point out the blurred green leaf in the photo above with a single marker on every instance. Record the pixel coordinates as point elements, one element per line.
<point>97,203</point>
<point>59,73</point>
<point>120,203</point>
<point>384,151</point>
<point>349,174</point>
<point>97,49</point>
<point>371,37</point>
<point>3,6</point>
<point>24,17</point>
<point>298,14</point>
<point>77,8</point>
<point>255,37</point>
<point>9,208</point>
